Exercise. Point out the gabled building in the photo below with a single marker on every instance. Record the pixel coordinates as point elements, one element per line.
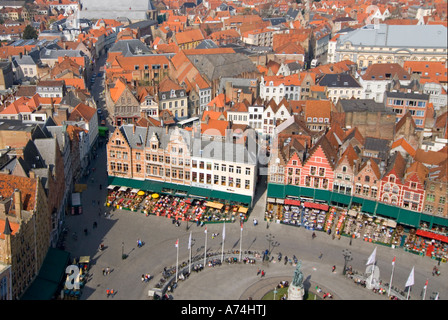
<point>24,224</point>
<point>173,97</point>
<point>392,182</point>
<point>121,103</point>
<point>414,187</point>
<point>367,179</point>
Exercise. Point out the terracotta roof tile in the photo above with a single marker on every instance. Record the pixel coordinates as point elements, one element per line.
<point>27,186</point>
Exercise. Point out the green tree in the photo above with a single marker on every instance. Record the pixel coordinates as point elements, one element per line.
<point>29,33</point>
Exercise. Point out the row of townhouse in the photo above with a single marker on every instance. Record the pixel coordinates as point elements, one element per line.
<point>179,157</point>
<point>337,162</point>
<point>431,77</point>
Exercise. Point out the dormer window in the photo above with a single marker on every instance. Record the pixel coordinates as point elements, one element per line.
<point>172,93</point>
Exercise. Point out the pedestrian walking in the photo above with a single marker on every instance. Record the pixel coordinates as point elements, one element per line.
<point>107,292</point>
<point>262,273</point>
<point>320,256</point>
<point>258,272</point>
<point>104,272</point>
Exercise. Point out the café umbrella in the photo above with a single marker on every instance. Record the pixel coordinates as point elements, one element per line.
<point>155,195</point>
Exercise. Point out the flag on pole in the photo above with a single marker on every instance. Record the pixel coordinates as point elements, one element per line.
<point>177,243</point>
<point>426,284</point>
<point>241,225</point>
<point>372,257</point>
<point>437,296</point>
<point>393,261</point>
<point>410,281</point>
<point>205,231</point>
<point>189,242</point>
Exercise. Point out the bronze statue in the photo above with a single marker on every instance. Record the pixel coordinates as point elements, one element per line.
<point>298,276</point>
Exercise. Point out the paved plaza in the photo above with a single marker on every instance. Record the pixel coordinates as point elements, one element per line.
<point>120,230</point>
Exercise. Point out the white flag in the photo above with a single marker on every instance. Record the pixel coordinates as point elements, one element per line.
<point>189,242</point>
<point>372,257</point>
<point>410,281</point>
<point>224,232</point>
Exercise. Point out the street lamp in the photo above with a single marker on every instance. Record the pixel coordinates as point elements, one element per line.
<point>347,257</point>
<point>272,243</point>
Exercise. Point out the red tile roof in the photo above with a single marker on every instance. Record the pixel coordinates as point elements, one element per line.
<point>27,187</point>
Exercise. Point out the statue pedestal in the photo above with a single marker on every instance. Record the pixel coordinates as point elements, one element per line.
<point>295,293</point>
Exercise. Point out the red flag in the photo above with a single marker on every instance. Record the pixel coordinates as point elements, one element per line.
<point>426,284</point>
<point>177,243</point>
<point>393,261</point>
<point>241,225</point>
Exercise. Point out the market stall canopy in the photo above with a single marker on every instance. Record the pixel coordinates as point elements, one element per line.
<point>214,205</point>
<point>242,209</point>
<point>123,188</point>
<point>432,235</point>
<point>292,202</point>
<point>318,206</point>
<point>111,187</point>
<point>352,213</point>
<point>134,190</point>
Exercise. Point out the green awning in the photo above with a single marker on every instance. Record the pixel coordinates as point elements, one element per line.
<point>40,289</point>
<point>368,206</point>
<point>241,198</point>
<point>408,217</point>
<point>440,221</point>
<point>323,195</point>
<point>340,198</point>
<point>200,192</point>
<point>358,200</point>
<point>307,192</point>
<point>125,182</point>
<point>152,186</point>
<point>53,267</point>
<point>387,211</point>
<point>50,276</point>
<point>276,191</point>
<point>293,191</point>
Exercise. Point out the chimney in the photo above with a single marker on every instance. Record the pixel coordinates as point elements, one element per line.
<point>18,203</point>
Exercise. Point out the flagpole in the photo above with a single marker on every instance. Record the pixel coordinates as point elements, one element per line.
<point>424,291</point>
<point>205,248</point>
<point>391,275</point>
<point>177,259</point>
<point>223,237</point>
<point>241,238</point>
<point>189,244</point>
